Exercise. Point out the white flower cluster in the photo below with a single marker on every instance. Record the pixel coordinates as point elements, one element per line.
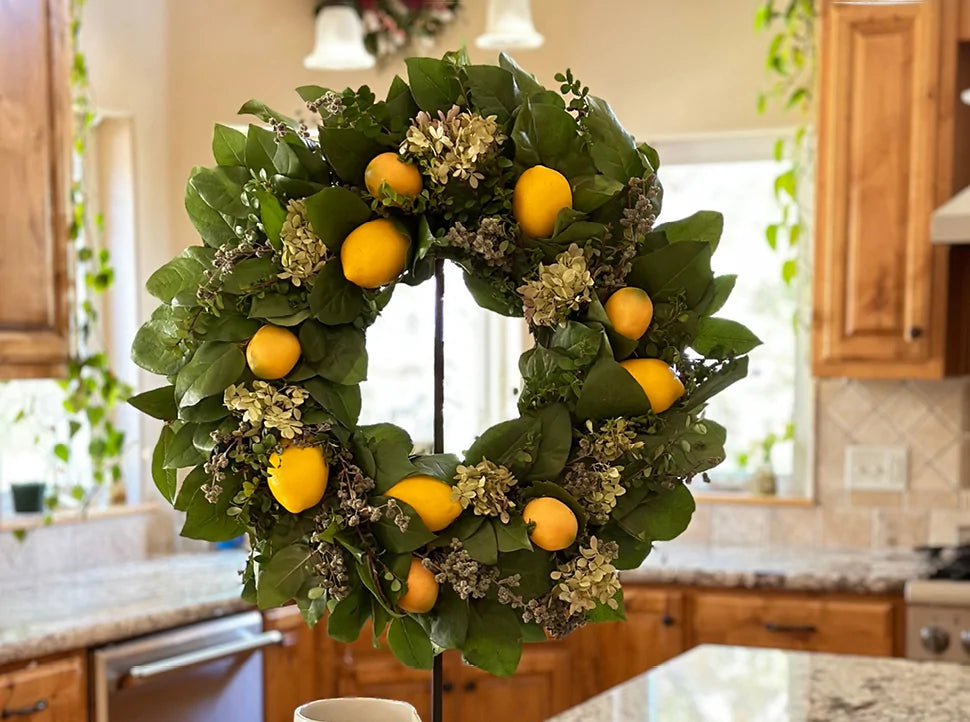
<point>484,487</point>
<point>454,145</point>
<point>562,287</point>
<point>589,579</point>
<point>303,253</point>
<point>268,407</point>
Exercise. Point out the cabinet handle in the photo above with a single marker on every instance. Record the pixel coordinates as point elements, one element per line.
<point>667,620</point>
<point>38,706</point>
<point>791,628</point>
<point>471,686</point>
<point>447,687</point>
<point>913,333</point>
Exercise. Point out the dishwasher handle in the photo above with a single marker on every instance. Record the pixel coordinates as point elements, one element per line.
<point>143,672</point>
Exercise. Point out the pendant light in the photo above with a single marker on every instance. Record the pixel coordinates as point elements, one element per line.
<point>509,25</point>
<point>340,39</point>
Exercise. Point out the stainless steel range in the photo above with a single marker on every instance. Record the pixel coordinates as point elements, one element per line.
<point>938,608</point>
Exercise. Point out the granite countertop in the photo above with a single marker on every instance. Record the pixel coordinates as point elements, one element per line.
<point>95,606</point>
<point>728,684</point>
<point>793,568</point>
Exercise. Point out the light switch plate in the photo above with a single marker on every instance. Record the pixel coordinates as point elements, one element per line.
<point>875,468</point>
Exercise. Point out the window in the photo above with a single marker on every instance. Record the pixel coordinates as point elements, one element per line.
<point>736,176</point>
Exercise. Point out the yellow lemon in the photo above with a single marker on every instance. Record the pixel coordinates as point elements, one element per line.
<point>402,178</point>
<point>555,524</point>
<point>297,477</point>
<point>657,380</point>
<point>374,253</point>
<point>430,498</point>
<point>272,352</point>
<point>422,590</point>
<point>539,195</point>
<point>630,310</point>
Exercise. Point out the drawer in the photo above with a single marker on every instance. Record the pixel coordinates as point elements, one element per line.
<point>796,622</point>
<point>48,691</point>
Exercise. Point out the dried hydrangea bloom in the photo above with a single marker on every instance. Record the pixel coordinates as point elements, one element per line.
<point>610,441</point>
<point>454,145</point>
<point>303,253</point>
<point>561,287</point>
<point>590,578</point>
<point>466,576</point>
<point>492,241</point>
<point>266,406</point>
<point>484,487</point>
<point>596,488</point>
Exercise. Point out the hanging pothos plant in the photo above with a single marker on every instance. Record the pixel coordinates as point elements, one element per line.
<point>91,389</point>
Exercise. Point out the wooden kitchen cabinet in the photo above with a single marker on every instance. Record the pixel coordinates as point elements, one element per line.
<point>35,157</point>
<point>289,670</point>
<point>887,303</point>
<point>652,633</point>
<point>792,621</point>
<point>49,690</point>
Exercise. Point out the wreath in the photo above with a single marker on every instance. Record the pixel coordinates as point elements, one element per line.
<point>549,207</point>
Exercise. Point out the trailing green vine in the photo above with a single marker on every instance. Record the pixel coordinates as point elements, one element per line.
<point>91,389</point>
<point>791,65</point>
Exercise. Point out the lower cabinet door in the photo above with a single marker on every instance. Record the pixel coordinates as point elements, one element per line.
<point>290,674</point>
<point>795,622</point>
<point>53,690</point>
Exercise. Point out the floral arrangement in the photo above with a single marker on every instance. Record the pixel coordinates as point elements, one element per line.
<point>549,207</point>
<point>391,25</point>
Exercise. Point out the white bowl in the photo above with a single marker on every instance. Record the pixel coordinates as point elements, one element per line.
<point>356,709</point>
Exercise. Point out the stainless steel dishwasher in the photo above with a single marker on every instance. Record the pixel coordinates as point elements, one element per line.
<point>204,672</point>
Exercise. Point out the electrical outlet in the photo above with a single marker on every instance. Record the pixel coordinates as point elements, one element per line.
<point>875,468</point>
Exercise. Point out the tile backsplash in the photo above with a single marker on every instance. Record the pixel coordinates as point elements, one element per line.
<point>930,418</point>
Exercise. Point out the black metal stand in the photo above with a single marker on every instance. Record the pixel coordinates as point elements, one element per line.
<point>439,442</point>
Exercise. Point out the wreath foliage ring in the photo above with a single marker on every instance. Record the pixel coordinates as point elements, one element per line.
<point>261,337</point>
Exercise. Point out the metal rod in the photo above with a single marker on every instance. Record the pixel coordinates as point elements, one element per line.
<point>437,672</point>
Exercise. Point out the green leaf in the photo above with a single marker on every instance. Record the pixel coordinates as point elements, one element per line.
<point>482,546</point>
<point>410,643</point>
<point>703,226</point>
<point>260,149</point>
<point>396,541</point>
<point>280,579</point>
<point>771,235</point>
<point>214,366</point>
<point>212,226</point>
<point>734,371</point>
<point>248,274</point>
<point>485,295</point>
<point>342,402</point>
<point>555,443</point>
<point>180,451</point>
<point>348,617</point>
<point>434,84</point>
<point>338,353</point>
<point>166,480</point>
<point>492,90</point>
<point>400,104</point>
<point>662,517</point>
<point>439,466</point>
<point>666,272</point>
<point>786,183</point>
<point>348,151</point>
<point>533,568</point>
<point>547,135</point>
<point>605,613</point>
<point>232,327</point>
<point>613,149</point>
<point>513,444</point>
<point>592,191</point>
<point>512,536</point>
<point>632,550</point>
<point>696,451</point>
<point>62,452</point>
<point>265,113</point>
<point>610,391</point>
<point>156,347</point>
<point>525,83</point>
<point>157,403</point>
<point>221,189</point>
<point>334,213</point>
<point>334,300</point>
<point>203,519</point>
<point>178,280</point>
<point>720,338</point>
<point>449,619</point>
<point>789,269</point>
<point>273,216</point>
<point>391,448</point>
<point>722,287</point>
<point>228,146</point>
<point>494,641</point>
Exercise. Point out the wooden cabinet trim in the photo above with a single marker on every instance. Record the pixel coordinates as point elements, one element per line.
<point>60,681</point>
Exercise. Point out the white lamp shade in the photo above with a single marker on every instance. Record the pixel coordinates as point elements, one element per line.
<point>509,25</point>
<point>340,41</point>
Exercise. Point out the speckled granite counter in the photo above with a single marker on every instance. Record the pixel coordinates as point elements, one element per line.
<point>715,684</point>
<point>53,614</point>
<point>794,568</point>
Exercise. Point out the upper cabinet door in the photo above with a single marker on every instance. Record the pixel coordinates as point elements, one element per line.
<point>880,287</point>
<point>35,156</point>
